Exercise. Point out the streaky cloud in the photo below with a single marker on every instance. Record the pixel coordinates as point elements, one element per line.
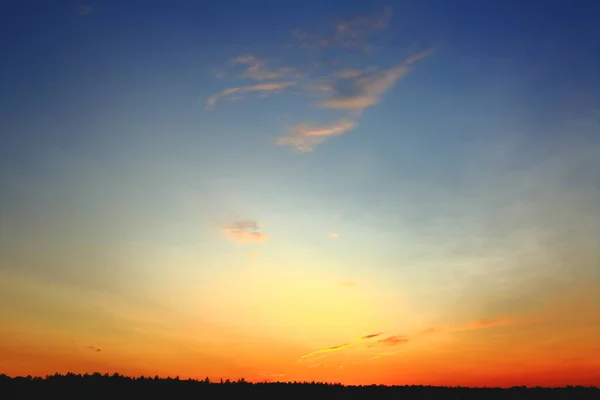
<point>257,69</point>
<point>368,89</point>
<point>305,137</point>
<point>340,347</point>
<point>245,232</point>
<point>393,341</point>
<point>261,87</point>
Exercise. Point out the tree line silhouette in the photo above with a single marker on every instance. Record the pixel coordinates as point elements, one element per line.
<point>99,386</point>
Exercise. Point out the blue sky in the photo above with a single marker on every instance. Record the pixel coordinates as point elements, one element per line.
<point>433,149</point>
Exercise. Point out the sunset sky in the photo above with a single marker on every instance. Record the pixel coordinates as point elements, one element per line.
<point>401,192</point>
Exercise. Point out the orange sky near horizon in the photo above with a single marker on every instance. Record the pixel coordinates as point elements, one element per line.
<point>555,345</point>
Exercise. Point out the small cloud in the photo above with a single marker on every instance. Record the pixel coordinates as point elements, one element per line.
<point>84,9</point>
<point>340,347</point>
<point>254,254</point>
<point>346,73</point>
<point>305,137</point>
<point>245,232</point>
<point>367,89</point>
<point>354,33</point>
<point>328,350</point>
<point>371,336</point>
<point>311,41</point>
<point>261,87</point>
<point>419,56</point>
<point>334,235</point>
<point>257,69</point>
<point>476,324</point>
<point>393,341</point>
<point>348,284</point>
<point>430,329</point>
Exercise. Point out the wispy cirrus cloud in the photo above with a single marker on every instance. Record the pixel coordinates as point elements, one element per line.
<point>366,89</point>
<point>328,350</point>
<point>258,70</point>
<point>261,87</point>
<point>397,340</point>
<point>476,324</point>
<point>357,91</point>
<point>340,347</point>
<point>245,232</point>
<point>393,340</point>
<point>487,323</point>
<point>346,73</point>
<point>345,89</point>
<point>353,33</point>
<point>305,137</point>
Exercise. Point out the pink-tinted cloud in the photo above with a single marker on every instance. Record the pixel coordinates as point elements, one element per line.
<point>305,137</point>
<point>367,89</point>
<point>245,232</point>
<point>258,70</point>
<point>393,341</point>
<point>353,33</point>
<point>342,87</point>
<point>347,73</point>
<point>261,87</point>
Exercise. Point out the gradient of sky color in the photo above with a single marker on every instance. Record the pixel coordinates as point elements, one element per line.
<point>358,191</point>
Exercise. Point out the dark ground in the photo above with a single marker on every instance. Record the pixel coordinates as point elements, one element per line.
<point>96,386</point>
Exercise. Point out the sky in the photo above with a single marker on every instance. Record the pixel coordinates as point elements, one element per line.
<point>358,192</point>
